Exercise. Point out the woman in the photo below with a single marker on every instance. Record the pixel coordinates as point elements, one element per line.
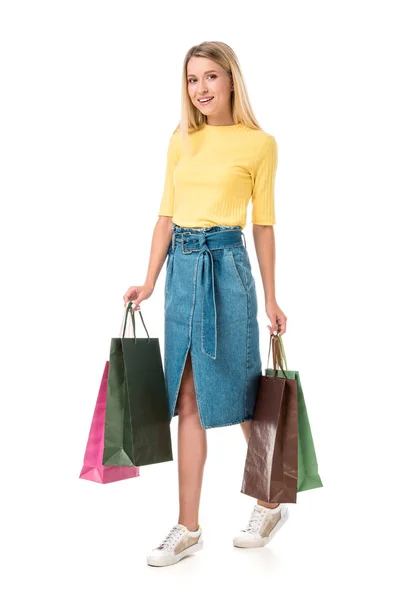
<point>218,157</point>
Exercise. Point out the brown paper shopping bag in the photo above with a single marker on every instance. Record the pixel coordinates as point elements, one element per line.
<point>271,467</point>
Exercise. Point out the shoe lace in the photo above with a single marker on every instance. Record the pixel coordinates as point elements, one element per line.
<point>170,539</point>
<point>254,521</point>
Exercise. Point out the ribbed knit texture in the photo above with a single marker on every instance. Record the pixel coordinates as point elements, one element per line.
<point>213,183</point>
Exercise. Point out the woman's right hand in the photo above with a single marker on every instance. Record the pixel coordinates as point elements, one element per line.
<point>137,293</point>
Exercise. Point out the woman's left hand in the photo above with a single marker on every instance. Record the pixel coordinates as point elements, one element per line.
<point>276,316</point>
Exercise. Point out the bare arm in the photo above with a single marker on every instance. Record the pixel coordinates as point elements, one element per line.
<point>264,242</point>
<point>160,242</point>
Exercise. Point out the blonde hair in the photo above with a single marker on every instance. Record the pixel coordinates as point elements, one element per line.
<point>224,56</point>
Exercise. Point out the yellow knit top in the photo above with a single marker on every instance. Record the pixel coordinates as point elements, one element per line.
<point>213,182</point>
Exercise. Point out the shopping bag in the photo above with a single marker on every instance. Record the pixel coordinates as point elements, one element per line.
<point>92,469</point>
<point>137,428</point>
<point>308,476</point>
<point>271,466</point>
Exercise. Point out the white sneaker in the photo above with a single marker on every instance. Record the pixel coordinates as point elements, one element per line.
<point>263,525</point>
<point>178,543</point>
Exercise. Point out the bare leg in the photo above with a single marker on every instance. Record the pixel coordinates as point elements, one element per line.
<point>192,451</point>
<point>246,428</point>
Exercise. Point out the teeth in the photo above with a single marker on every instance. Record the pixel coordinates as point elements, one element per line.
<point>203,100</point>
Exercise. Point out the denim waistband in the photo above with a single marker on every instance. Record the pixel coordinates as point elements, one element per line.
<point>207,228</point>
<point>215,237</point>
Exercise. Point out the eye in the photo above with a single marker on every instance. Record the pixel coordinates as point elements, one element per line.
<point>193,79</point>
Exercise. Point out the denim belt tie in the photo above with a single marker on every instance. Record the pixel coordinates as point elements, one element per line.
<point>203,243</point>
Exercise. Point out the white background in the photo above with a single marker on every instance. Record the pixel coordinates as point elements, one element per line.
<point>90,95</point>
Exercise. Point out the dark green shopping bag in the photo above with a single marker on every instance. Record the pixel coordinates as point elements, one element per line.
<point>308,477</point>
<point>137,425</point>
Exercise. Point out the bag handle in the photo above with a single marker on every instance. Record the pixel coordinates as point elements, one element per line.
<point>132,312</point>
<point>282,351</point>
<point>278,353</point>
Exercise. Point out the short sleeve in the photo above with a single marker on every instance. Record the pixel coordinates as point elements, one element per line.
<point>263,194</point>
<point>167,201</point>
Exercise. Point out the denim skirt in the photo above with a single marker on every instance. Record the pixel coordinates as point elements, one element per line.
<point>210,308</point>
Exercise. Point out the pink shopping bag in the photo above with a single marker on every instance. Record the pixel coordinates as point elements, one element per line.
<point>92,469</point>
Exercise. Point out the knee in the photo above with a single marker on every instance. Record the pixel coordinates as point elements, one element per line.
<point>187,405</point>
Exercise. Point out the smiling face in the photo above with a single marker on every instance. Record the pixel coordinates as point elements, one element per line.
<point>207,81</point>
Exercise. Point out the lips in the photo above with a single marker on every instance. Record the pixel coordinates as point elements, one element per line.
<point>205,100</point>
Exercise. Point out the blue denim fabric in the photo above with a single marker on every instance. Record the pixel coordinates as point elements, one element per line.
<point>210,308</point>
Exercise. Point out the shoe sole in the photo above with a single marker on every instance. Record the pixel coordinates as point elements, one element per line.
<point>166,561</point>
<point>264,541</point>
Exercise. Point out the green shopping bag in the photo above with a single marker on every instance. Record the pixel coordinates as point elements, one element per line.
<point>308,477</point>
<point>137,424</point>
